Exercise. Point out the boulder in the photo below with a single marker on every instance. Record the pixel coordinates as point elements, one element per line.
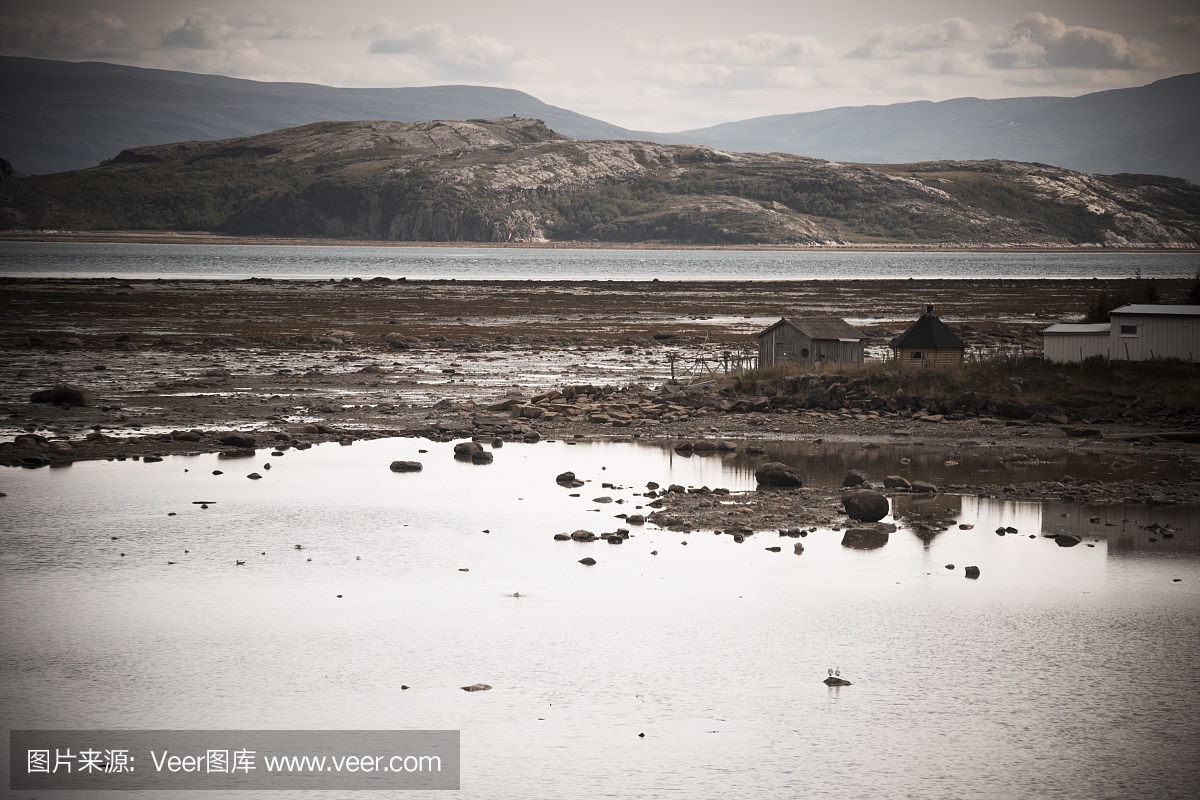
<point>1066,540</point>
<point>865,505</point>
<point>63,394</point>
<point>924,487</point>
<point>896,482</point>
<point>774,473</point>
<point>587,562</point>
<point>482,456</point>
<point>855,477</point>
<point>476,687</point>
<point>239,440</point>
<point>971,572</point>
<point>466,451</point>
<point>406,466</point>
<point>832,681</point>
<point>583,536</point>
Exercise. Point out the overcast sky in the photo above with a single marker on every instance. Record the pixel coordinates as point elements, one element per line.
<point>645,64</point>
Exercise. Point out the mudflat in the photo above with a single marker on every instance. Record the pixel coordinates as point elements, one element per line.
<point>172,366</point>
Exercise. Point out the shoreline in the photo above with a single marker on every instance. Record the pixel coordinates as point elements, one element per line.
<point>210,238</point>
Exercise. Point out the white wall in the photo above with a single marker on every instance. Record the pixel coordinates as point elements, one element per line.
<point>1158,336</point>
<point>1071,348</point>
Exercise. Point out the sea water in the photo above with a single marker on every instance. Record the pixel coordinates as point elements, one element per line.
<point>59,259</point>
<point>1059,672</point>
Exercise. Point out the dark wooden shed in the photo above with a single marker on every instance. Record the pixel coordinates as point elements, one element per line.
<point>810,340</point>
<point>928,342</point>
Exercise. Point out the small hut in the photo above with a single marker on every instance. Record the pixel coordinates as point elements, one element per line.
<point>810,340</point>
<point>1072,342</point>
<point>928,342</point>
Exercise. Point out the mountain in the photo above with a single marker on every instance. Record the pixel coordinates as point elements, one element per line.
<point>512,179</point>
<point>1149,129</point>
<point>60,115</point>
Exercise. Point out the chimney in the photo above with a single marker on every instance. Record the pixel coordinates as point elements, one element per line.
<point>929,310</point>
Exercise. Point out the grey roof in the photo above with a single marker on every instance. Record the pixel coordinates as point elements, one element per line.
<point>1078,327</point>
<point>1153,309</point>
<point>822,328</point>
<point>929,333</point>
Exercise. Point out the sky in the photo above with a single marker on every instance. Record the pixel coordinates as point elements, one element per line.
<point>645,65</point>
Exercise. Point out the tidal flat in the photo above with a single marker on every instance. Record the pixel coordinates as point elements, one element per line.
<point>1057,672</point>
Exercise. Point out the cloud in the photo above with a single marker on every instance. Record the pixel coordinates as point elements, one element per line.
<point>1041,41</point>
<point>892,41</point>
<point>1185,24</point>
<point>753,50</point>
<point>442,54</point>
<point>97,34</point>
<point>203,30</point>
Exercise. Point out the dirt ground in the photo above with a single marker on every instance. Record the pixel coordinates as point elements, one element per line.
<point>295,362</point>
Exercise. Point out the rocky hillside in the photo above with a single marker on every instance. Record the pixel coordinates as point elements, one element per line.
<point>511,180</point>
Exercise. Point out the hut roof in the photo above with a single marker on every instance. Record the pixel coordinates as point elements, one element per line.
<point>1158,310</point>
<point>822,328</point>
<point>928,333</point>
<point>1100,328</point>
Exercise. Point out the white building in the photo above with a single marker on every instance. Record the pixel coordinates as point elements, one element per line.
<point>1071,343</point>
<point>1137,332</point>
<point>1147,332</point>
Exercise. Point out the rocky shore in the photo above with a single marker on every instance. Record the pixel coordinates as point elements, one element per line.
<point>136,369</point>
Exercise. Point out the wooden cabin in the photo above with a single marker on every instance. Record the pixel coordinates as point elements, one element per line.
<point>805,341</point>
<point>928,342</point>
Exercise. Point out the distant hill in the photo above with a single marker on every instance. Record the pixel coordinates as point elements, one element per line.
<point>1150,129</point>
<point>511,179</point>
<point>59,115</point>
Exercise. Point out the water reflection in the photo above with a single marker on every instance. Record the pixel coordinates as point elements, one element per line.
<point>655,638</point>
<point>825,463</point>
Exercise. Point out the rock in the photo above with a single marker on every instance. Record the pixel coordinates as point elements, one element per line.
<point>562,537</point>
<point>476,687</point>
<point>896,482</point>
<point>1066,540</point>
<point>583,536</point>
<point>865,505</point>
<point>238,440</point>
<point>774,473</point>
<point>774,549</point>
<point>465,451</point>
<point>636,519</point>
<point>832,681</point>
<point>755,449</point>
<point>588,562</point>
<point>63,394</point>
<point>798,548</point>
<point>254,476</point>
<point>971,572</point>
<point>855,477</point>
<point>148,459</point>
<point>605,499</point>
<point>482,457</point>
<point>924,487</point>
<point>406,466</point>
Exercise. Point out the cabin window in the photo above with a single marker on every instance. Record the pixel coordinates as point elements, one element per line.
<point>1129,330</point>
<point>804,352</point>
<point>916,354</point>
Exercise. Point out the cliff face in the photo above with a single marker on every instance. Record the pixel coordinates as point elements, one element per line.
<point>511,180</point>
